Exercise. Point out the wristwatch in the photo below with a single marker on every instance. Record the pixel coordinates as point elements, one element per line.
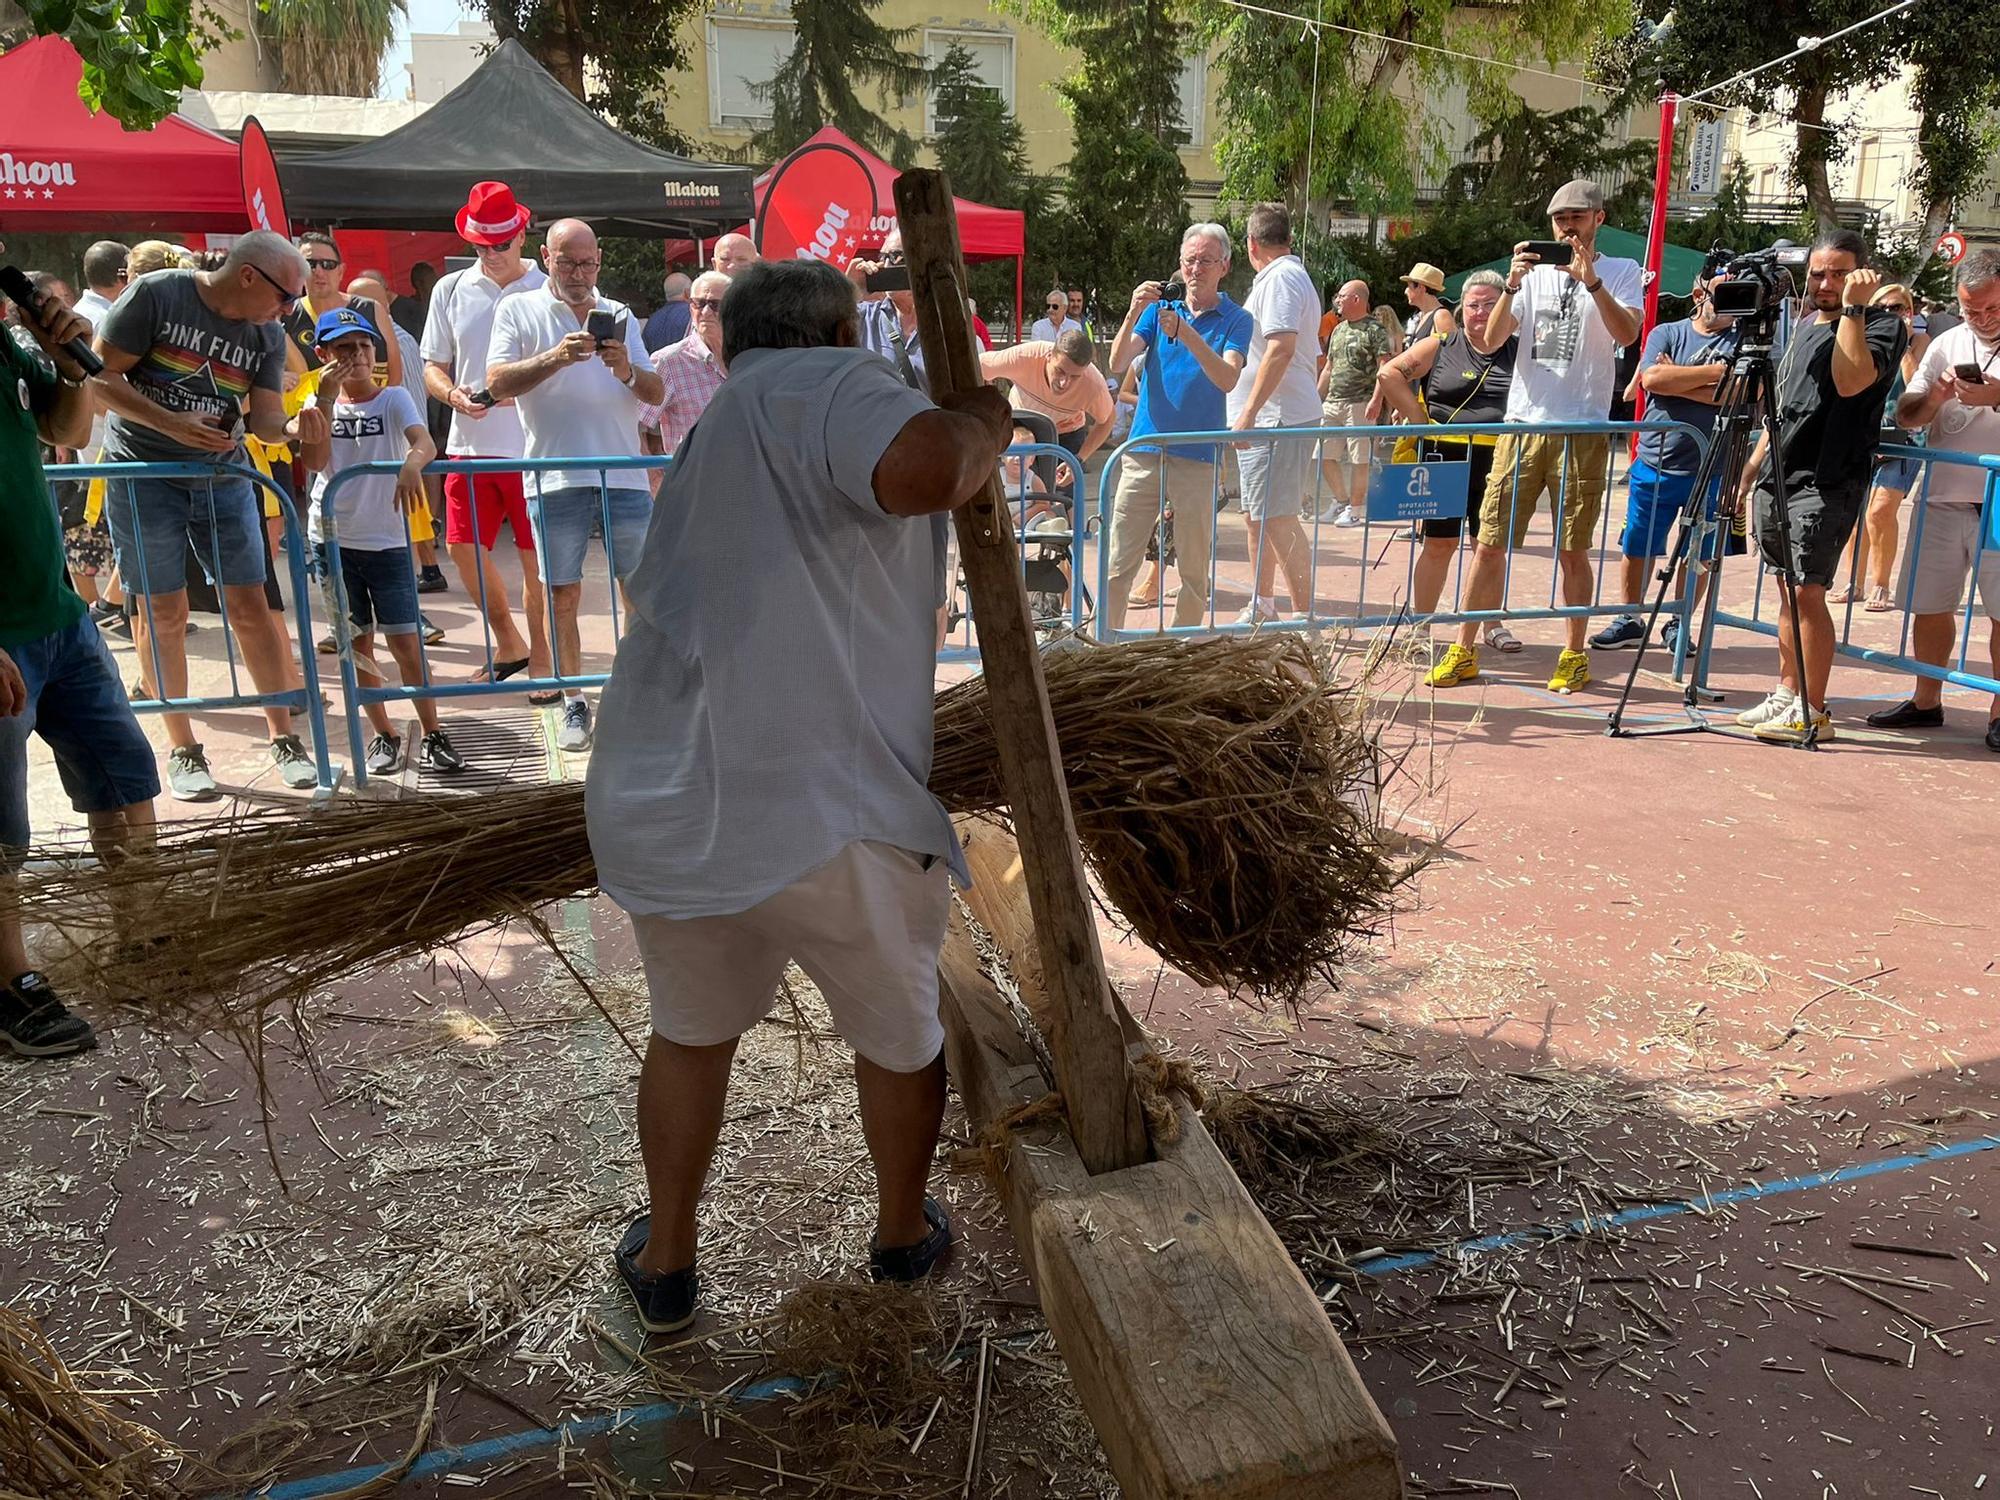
<point>631,375</point>
<point>1854,312</point>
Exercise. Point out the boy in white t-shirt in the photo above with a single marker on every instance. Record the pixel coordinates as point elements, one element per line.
<point>368,424</point>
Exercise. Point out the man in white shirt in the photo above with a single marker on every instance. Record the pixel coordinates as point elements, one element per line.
<point>1573,318</point>
<point>1056,306</point>
<point>103,279</point>
<point>1277,389</point>
<point>577,364</point>
<point>1964,417</point>
<point>457,330</point>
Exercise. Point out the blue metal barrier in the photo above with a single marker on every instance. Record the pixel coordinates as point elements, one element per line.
<point>1360,616</point>
<point>304,699</point>
<point>1033,509</point>
<point>1988,533</point>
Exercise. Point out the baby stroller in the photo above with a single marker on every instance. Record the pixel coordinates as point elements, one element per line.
<point>1043,505</point>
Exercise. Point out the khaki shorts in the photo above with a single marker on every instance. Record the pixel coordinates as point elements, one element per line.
<point>1334,412</point>
<point>866,927</point>
<point>1935,570</point>
<point>1575,488</point>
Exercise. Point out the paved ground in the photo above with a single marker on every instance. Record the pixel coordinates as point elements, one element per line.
<point>1680,970</point>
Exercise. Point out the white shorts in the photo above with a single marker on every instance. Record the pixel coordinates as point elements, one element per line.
<point>1934,573</point>
<point>866,927</point>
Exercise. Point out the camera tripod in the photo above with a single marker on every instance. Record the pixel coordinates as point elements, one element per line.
<point>1746,401</point>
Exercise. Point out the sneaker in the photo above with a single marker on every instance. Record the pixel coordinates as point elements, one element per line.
<point>35,1022</point>
<point>111,620</point>
<point>667,1300</point>
<point>436,753</point>
<point>1256,610</point>
<point>1780,702</point>
<point>188,777</point>
<point>433,632</point>
<point>575,733</point>
<point>295,767</point>
<point>327,646</point>
<point>1459,664</point>
<point>908,1263</point>
<point>1347,516</point>
<point>1789,728</point>
<point>1572,672</point>
<point>385,754</point>
<point>431,580</point>
<point>1623,631</point>
<point>1670,631</point>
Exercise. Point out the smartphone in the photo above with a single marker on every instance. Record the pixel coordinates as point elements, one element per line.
<point>1552,252</point>
<point>1969,374</point>
<point>889,279</point>
<point>605,327</point>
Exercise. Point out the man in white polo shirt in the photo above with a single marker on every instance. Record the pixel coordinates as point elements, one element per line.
<point>1963,415</point>
<point>1277,389</point>
<point>577,364</point>
<point>456,333</point>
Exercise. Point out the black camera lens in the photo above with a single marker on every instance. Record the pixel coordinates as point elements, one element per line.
<point>1173,291</point>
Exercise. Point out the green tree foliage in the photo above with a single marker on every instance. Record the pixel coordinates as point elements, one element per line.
<point>330,46</point>
<point>982,148</point>
<point>611,54</point>
<point>1354,104</point>
<point>136,57</point>
<point>1124,187</point>
<point>838,48</point>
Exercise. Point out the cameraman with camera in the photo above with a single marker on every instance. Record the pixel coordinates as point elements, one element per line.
<point>1832,381</point>
<point>1195,340</point>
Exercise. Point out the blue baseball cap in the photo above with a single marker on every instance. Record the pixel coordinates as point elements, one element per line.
<point>340,322</point>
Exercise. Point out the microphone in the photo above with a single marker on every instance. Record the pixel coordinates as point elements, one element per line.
<point>19,289</point>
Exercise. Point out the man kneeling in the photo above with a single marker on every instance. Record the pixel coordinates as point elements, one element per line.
<point>758,793</point>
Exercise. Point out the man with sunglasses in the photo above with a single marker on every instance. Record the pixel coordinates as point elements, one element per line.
<point>1046,329</point>
<point>457,331</point>
<point>182,352</point>
<point>690,370</point>
<point>324,263</point>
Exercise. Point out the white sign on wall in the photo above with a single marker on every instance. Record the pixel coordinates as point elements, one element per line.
<point>1705,159</point>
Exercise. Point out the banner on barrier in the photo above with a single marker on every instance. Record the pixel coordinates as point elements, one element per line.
<point>1419,492</point>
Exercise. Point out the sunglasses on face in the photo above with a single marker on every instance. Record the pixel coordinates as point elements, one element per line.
<point>705,304</point>
<point>322,265</point>
<point>289,300</point>
<point>1057,306</point>
<point>1897,307</point>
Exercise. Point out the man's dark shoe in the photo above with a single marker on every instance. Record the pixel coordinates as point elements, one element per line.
<point>35,1022</point>
<point>431,580</point>
<point>1993,735</point>
<point>1906,715</point>
<point>913,1262</point>
<point>666,1301</point>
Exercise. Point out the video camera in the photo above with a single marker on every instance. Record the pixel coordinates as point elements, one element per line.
<point>1754,282</point>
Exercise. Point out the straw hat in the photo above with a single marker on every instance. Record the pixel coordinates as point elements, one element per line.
<point>1423,273</point>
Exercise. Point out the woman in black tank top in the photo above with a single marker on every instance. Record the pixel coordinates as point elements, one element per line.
<point>1457,384</point>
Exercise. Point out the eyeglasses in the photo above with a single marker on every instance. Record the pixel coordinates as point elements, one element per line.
<point>705,304</point>
<point>1057,306</point>
<point>322,265</point>
<point>1199,263</point>
<point>891,258</point>
<point>565,263</point>
<point>288,300</point>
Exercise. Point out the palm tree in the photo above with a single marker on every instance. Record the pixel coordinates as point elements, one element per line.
<point>329,46</point>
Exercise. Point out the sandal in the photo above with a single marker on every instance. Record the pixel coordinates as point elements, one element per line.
<point>906,1263</point>
<point>499,671</point>
<point>1500,638</point>
<point>1879,602</point>
<point>545,697</point>
<point>1842,595</point>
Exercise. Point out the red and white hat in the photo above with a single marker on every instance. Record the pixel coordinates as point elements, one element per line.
<point>491,216</point>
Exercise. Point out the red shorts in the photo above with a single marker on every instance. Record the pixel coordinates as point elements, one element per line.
<point>502,497</point>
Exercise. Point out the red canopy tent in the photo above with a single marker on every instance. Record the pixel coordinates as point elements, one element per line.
<point>64,168</point>
<point>832,200</point>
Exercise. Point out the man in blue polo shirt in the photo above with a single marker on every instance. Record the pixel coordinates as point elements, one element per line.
<point>1195,349</point>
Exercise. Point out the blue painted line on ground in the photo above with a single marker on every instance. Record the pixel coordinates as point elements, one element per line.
<point>1534,1234</point>
<point>512,1444</point>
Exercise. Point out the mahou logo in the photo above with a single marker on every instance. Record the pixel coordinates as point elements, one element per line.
<point>16,172</point>
<point>826,237</point>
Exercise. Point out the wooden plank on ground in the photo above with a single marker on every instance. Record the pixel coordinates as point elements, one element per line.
<point>1084,1037</point>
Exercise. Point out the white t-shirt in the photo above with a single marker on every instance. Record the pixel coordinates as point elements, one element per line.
<point>581,411</point>
<point>1958,427</point>
<point>1567,368</point>
<point>91,307</point>
<point>456,335</point>
<point>1046,330</point>
<point>366,432</point>
<point>1283,299</point>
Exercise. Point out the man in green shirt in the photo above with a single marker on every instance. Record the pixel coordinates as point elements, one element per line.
<point>56,675</point>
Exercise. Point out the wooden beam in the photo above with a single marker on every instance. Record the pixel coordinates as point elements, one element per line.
<point>1082,1026</point>
<point>1205,1362</point>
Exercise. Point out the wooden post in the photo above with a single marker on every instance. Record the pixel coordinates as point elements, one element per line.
<point>1085,1039</point>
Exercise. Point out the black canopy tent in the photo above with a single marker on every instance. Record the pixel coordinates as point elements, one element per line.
<point>512,122</point>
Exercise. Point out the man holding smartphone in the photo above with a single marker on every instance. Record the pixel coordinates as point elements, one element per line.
<point>576,363</point>
<point>1956,391</point>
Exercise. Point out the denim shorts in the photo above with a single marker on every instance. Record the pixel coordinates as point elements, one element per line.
<point>153,521</point>
<point>78,705</point>
<point>1273,476</point>
<point>566,519</point>
<point>381,588</point>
